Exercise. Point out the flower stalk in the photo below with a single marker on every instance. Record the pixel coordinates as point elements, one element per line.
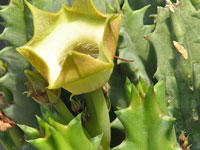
<point>60,107</point>
<point>98,121</point>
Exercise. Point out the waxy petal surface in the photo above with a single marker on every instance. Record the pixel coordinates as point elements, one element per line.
<point>73,48</point>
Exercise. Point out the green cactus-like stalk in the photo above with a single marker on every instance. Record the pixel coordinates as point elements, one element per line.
<point>176,41</point>
<point>13,80</point>
<point>146,119</point>
<point>56,136</point>
<point>133,46</point>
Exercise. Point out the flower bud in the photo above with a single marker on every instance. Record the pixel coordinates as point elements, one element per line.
<point>37,88</point>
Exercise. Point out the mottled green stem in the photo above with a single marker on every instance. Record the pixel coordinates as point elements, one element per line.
<point>17,136</point>
<point>63,111</point>
<point>98,121</point>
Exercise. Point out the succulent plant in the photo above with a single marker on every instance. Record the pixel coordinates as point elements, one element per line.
<point>177,63</point>
<point>56,136</point>
<point>100,75</point>
<point>146,119</point>
<point>13,78</point>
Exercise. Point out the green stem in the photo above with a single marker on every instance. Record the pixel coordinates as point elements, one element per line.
<point>16,135</point>
<point>98,121</point>
<point>63,111</point>
<point>66,114</point>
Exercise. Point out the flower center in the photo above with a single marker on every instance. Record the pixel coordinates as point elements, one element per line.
<point>84,47</point>
<point>87,48</point>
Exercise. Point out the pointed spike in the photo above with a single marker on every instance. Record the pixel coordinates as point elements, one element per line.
<point>126,6</point>
<point>43,143</point>
<point>41,126</point>
<point>31,132</point>
<point>159,90</point>
<point>97,140</point>
<point>136,100</point>
<point>128,89</point>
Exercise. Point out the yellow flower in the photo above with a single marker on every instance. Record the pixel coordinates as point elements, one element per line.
<point>73,48</point>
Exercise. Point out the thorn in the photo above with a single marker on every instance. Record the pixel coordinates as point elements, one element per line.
<point>153,16</point>
<point>145,36</point>
<point>170,6</point>
<point>171,9</point>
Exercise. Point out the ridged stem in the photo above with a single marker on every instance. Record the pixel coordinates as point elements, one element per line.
<point>98,121</point>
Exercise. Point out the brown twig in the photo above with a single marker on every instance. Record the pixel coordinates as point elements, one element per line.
<point>122,59</point>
